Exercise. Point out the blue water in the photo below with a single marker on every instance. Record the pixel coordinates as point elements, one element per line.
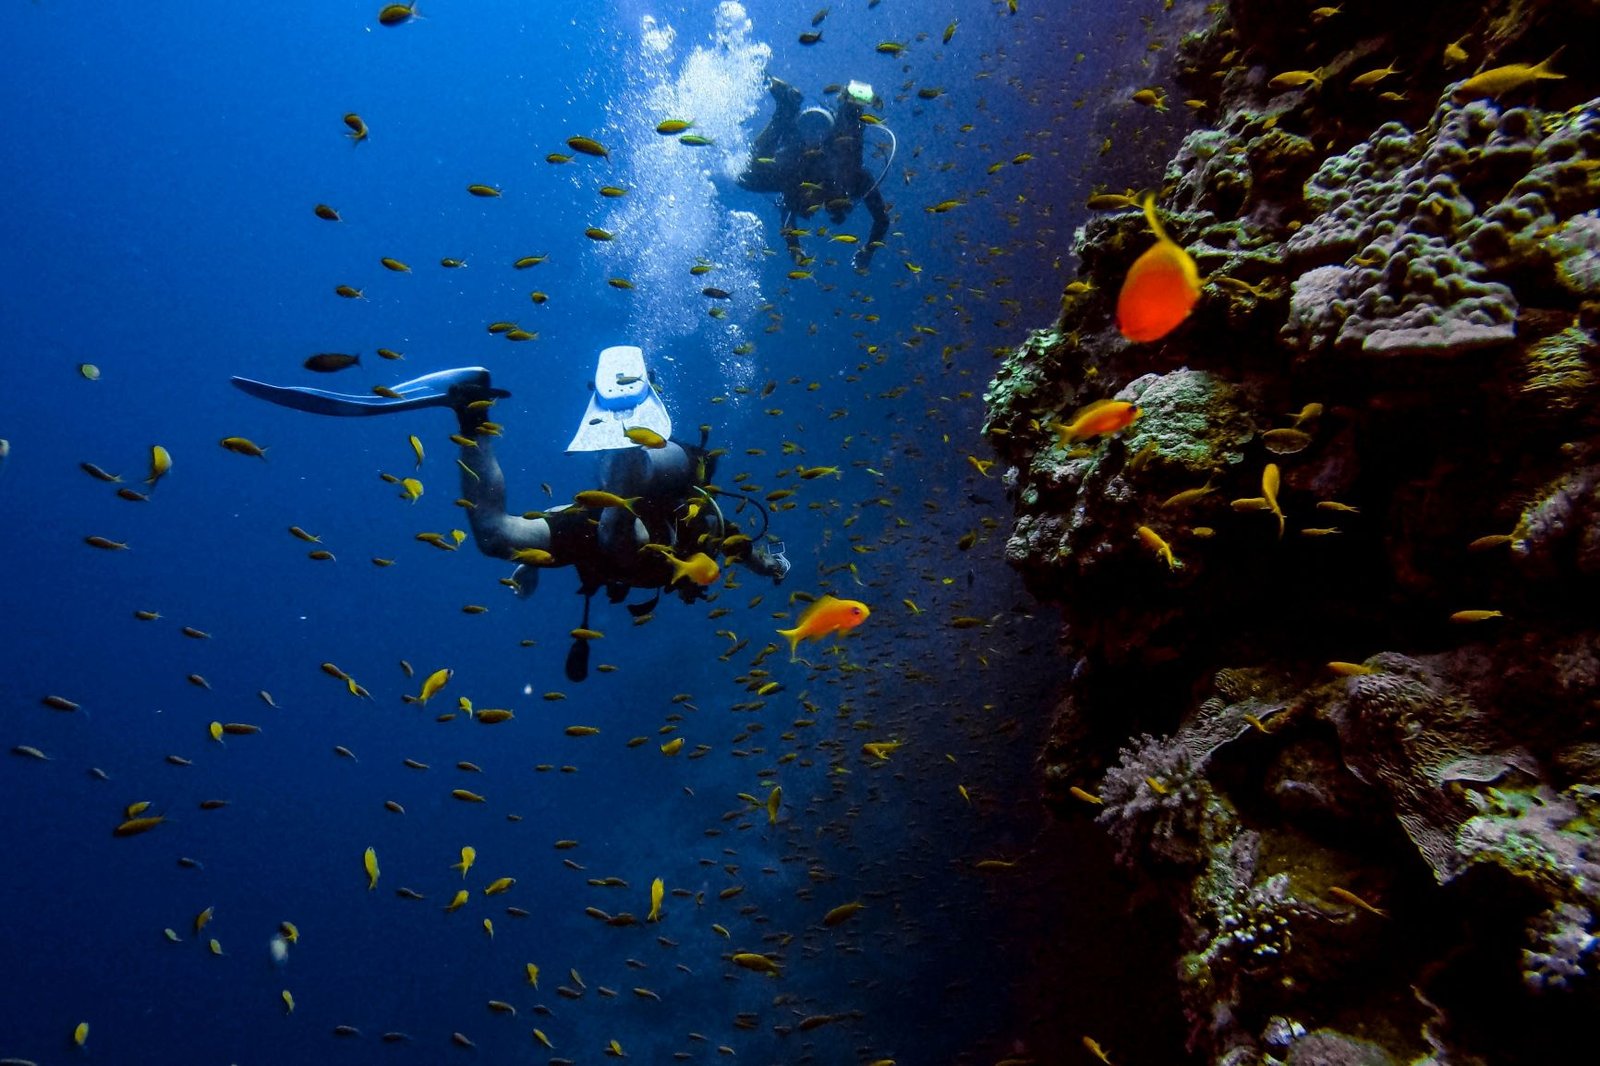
<point>160,169</point>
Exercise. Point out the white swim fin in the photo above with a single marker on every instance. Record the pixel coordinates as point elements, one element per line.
<point>622,399</point>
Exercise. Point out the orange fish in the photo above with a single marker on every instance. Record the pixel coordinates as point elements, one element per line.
<point>1161,287</point>
<point>1102,416</point>
<point>827,615</point>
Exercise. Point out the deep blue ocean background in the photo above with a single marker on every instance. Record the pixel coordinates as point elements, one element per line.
<point>160,167</point>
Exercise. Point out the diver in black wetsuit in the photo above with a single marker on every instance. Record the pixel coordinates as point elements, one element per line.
<point>812,159</point>
<point>672,506</point>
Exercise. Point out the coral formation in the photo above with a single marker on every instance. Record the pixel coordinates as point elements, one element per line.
<point>1364,765</point>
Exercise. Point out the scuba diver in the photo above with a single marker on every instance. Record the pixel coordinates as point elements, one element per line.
<point>654,522</point>
<point>812,158</point>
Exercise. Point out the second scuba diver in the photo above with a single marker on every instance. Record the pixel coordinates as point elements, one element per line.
<point>653,523</point>
<point>812,158</point>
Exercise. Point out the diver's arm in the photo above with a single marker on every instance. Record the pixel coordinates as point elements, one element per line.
<point>759,176</point>
<point>880,226</point>
<point>496,533</point>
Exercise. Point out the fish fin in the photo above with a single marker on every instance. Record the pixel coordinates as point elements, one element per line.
<point>1148,202</point>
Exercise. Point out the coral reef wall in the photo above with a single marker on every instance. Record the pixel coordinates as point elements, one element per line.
<point>1347,726</point>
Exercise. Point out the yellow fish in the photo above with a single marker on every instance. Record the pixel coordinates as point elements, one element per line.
<point>600,500</point>
<point>1496,82</point>
<point>749,960</point>
<point>160,463</point>
<point>469,855</point>
<point>699,568</point>
<point>370,861</point>
<point>433,684</point>
<point>657,890</point>
<point>244,446</point>
<point>1269,492</point>
<point>645,437</point>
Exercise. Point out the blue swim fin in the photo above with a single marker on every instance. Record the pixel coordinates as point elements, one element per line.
<point>446,388</point>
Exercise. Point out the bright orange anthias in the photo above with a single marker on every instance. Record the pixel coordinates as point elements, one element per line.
<point>827,615</point>
<point>1161,288</point>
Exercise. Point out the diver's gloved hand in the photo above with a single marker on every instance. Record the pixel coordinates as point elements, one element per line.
<point>786,95</point>
<point>862,260</point>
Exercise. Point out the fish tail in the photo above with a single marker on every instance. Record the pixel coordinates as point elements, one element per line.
<point>1148,202</point>
<point>793,637</point>
<point>1542,69</point>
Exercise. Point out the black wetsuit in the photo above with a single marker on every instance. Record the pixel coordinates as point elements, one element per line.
<point>807,179</point>
<point>575,537</point>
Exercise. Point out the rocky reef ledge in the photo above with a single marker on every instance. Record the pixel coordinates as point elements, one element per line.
<point>1351,739</point>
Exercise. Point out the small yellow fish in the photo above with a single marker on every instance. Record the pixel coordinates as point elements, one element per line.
<point>749,960</point>
<point>600,500</point>
<point>657,892</point>
<point>1373,77</point>
<point>1296,79</point>
<point>433,684</point>
<point>1344,895</point>
<point>645,437</point>
<point>1475,616</point>
<point>243,446</point>
<point>588,146</point>
<point>1093,1047</point>
<point>1496,82</point>
<point>1269,492</point>
<point>160,463</point>
<point>1153,541</point>
<point>370,861</point>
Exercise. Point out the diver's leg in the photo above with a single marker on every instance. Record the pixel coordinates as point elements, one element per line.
<point>497,534</point>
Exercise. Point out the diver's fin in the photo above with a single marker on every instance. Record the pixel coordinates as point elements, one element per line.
<point>577,666</point>
<point>623,399</point>
<point>446,388</point>
<point>639,610</point>
<point>578,661</point>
